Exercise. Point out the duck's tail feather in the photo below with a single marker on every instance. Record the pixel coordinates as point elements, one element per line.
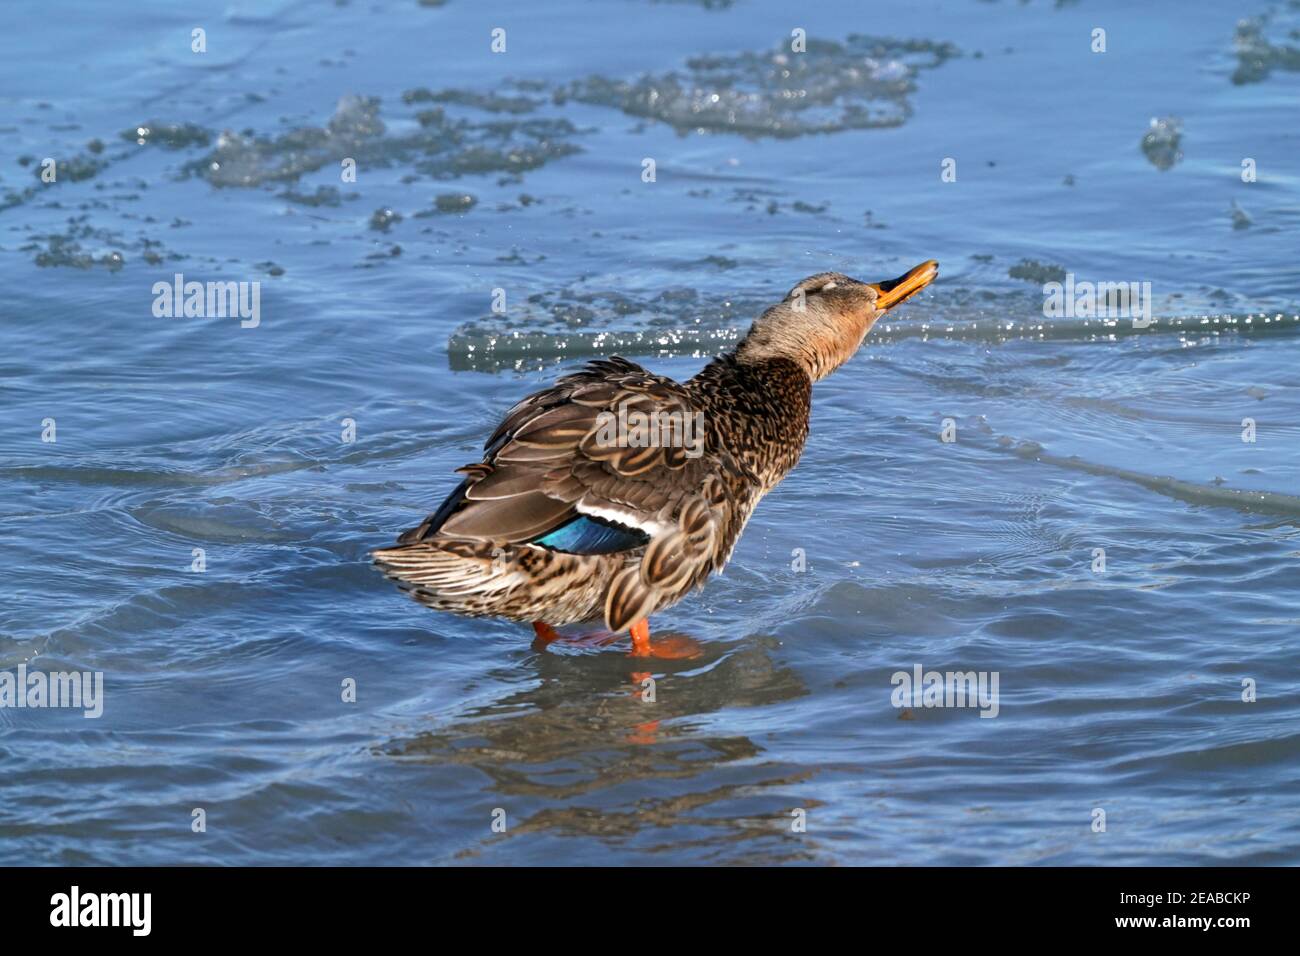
<point>449,575</point>
<point>481,579</point>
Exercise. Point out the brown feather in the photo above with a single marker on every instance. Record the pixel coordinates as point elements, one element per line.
<point>514,519</point>
<point>504,482</point>
<point>628,601</point>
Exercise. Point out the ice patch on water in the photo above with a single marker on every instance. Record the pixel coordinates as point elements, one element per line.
<point>489,102</point>
<point>1240,218</point>
<point>242,160</point>
<point>63,251</point>
<point>83,246</point>
<point>74,169</point>
<point>1031,270</point>
<point>683,323</point>
<point>861,83</point>
<point>169,135</point>
<point>449,204</point>
<point>443,148</point>
<point>1162,142</point>
<point>1257,57</point>
<point>323,196</point>
<point>578,322</point>
<point>384,219</point>
<point>451,133</point>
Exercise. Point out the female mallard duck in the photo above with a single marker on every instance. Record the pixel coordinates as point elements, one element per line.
<point>615,492</point>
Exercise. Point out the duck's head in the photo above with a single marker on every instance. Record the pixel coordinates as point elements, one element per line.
<point>824,319</point>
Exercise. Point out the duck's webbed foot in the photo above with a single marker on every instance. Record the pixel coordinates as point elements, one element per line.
<point>673,647</point>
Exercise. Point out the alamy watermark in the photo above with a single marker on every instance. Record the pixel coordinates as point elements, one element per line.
<point>73,689</point>
<point>662,428</point>
<point>75,908</point>
<point>1098,300</point>
<point>922,688</point>
<point>209,300</point>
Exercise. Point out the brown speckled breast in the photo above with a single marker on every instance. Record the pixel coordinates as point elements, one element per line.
<point>759,413</point>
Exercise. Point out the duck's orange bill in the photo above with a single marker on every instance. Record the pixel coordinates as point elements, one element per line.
<point>894,291</point>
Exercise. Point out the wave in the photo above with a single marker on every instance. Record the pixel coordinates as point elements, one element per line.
<point>1263,502</point>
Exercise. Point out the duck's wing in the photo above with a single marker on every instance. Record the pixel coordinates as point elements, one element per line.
<point>581,468</point>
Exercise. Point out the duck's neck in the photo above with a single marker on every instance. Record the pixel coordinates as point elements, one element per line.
<point>756,410</point>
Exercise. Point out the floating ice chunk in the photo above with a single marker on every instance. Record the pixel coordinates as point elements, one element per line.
<point>1257,57</point>
<point>862,83</point>
<point>1162,141</point>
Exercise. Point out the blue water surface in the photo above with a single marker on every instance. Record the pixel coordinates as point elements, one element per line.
<point>1100,534</point>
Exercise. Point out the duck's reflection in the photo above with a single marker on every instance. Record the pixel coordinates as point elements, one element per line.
<point>605,745</point>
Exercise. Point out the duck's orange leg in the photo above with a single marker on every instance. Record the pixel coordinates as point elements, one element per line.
<point>674,647</point>
<point>641,638</point>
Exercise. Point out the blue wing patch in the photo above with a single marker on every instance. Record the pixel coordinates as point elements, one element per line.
<point>587,535</point>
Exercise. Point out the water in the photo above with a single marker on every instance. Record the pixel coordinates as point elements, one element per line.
<point>1119,691</point>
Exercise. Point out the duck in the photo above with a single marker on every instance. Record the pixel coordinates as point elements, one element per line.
<point>616,492</point>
